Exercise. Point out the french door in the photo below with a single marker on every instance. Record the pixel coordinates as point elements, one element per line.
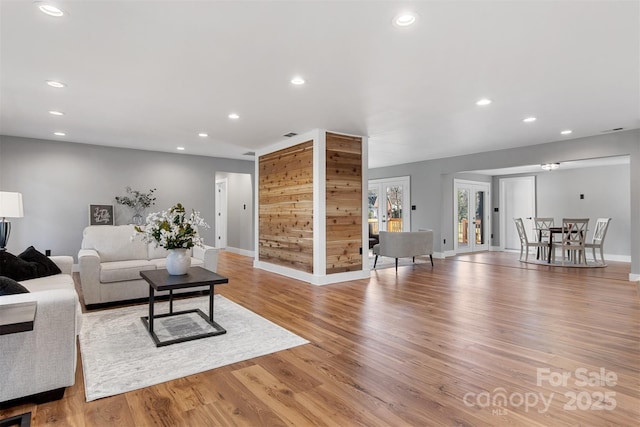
<point>389,205</point>
<point>471,216</point>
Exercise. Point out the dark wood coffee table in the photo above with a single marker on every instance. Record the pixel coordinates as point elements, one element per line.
<point>161,280</point>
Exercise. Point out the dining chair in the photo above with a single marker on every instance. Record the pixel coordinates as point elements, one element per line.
<point>574,234</point>
<point>602,225</point>
<point>542,226</point>
<point>525,244</point>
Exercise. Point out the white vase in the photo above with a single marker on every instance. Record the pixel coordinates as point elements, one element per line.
<point>178,261</point>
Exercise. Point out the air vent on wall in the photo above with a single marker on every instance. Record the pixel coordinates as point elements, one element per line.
<point>290,134</point>
<point>612,130</point>
<point>249,153</point>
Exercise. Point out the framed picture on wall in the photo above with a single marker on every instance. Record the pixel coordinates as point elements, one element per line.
<point>100,214</point>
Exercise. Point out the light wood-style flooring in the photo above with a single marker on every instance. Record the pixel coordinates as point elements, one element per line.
<point>458,344</point>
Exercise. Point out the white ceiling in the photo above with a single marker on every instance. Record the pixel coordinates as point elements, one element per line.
<point>153,74</point>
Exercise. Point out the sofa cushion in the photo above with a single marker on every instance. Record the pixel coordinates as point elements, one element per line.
<point>161,263</point>
<point>44,265</point>
<point>118,271</point>
<point>9,286</point>
<point>49,283</point>
<point>114,243</point>
<point>15,268</point>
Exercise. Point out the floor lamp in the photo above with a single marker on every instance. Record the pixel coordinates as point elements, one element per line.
<point>10,207</point>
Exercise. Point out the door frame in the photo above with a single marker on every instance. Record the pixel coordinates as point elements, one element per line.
<point>382,183</point>
<point>486,222</point>
<point>221,213</point>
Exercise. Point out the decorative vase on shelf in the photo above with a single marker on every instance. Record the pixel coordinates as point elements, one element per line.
<point>137,219</point>
<point>178,261</point>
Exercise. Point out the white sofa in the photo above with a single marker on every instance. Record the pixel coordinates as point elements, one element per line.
<point>42,362</point>
<point>110,262</point>
<point>404,244</point>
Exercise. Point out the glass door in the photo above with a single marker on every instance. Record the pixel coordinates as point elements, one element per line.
<point>389,205</point>
<point>471,230</point>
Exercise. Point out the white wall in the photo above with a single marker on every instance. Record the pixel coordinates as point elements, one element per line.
<point>58,181</point>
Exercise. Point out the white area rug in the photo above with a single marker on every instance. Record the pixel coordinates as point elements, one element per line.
<point>118,354</point>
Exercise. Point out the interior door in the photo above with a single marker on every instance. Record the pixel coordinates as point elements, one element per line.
<point>389,204</point>
<point>472,216</point>
<point>517,200</point>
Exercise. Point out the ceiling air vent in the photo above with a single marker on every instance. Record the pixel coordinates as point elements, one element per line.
<point>249,153</point>
<point>290,134</point>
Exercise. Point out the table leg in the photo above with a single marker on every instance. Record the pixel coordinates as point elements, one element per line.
<point>170,300</point>
<point>538,248</point>
<point>550,247</point>
<point>151,303</point>
<point>211,302</point>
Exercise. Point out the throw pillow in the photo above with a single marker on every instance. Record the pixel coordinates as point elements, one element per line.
<point>15,268</point>
<point>44,265</point>
<point>11,287</point>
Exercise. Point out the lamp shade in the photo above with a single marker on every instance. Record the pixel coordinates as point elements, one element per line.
<point>10,205</point>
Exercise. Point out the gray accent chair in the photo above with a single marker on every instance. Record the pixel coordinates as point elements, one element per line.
<point>404,244</point>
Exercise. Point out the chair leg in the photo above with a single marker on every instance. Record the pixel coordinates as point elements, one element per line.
<point>526,254</point>
<point>375,261</point>
<point>431,258</point>
<point>396,265</point>
<point>414,260</point>
<point>601,254</point>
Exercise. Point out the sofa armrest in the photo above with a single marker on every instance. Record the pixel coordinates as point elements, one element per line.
<point>209,255</point>
<point>64,263</point>
<point>89,265</point>
<point>43,359</point>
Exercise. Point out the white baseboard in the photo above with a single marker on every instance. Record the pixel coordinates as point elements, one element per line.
<point>239,251</point>
<point>634,277</point>
<point>312,278</point>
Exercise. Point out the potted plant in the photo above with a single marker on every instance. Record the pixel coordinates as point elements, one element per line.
<point>137,201</point>
<point>175,231</point>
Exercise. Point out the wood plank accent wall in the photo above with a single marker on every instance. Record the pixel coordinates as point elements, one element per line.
<point>285,195</point>
<point>344,203</point>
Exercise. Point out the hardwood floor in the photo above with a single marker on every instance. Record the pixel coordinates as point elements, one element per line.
<point>426,347</point>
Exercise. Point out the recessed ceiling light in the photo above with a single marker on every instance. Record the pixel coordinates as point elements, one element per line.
<point>566,132</point>
<point>405,19</point>
<point>180,148</point>
<point>56,84</point>
<point>530,119</point>
<point>550,166</point>
<point>59,133</point>
<point>50,10</point>
<point>56,113</point>
<point>234,116</point>
<point>297,81</point>
<point>203,134</point>
<point>483,102</point>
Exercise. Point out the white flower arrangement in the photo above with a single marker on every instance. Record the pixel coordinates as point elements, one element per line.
<point>173,229</point>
